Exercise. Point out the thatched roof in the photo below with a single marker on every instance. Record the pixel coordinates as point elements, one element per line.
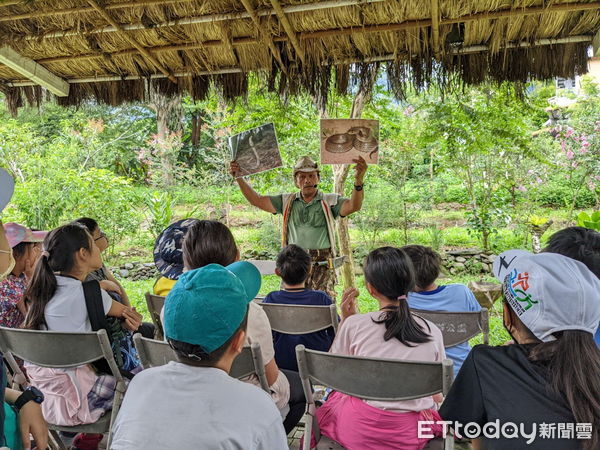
<point>110,49</point>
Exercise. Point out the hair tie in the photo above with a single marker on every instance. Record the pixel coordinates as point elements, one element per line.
<point>402,297</point>
<point>46,254</point>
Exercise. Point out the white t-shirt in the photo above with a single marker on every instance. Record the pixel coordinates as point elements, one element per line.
<point>259,330</point>
<point>66,309</point>
<point>177,406</point>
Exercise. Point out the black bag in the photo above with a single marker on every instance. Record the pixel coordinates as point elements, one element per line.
<point>121,340</point>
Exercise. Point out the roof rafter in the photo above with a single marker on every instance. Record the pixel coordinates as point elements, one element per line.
<point>267,38</point>
<point>383,58</point>
<point>207,18</point>
<point>143,50</point>
<point>435,26</point>
<point>289,30</point>
<point>34,71</point>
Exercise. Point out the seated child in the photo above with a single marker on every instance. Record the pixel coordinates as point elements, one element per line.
<point>393,333</point>
<point>193,403</point>
<point>581,244</point>
<point>168,255</point>
<point>56,302</point>
<point>26,248</point>
<point>551,375</point>
<point>429,296</point>
<point>208,242</point>
<point>294,266</point>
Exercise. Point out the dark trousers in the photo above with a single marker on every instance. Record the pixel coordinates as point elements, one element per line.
<point>297,400</point>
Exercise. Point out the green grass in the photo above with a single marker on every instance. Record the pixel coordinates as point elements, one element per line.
<point>136,291</point>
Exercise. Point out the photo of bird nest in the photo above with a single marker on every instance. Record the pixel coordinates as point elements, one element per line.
<point>344,140</point>
<point>256,150</point>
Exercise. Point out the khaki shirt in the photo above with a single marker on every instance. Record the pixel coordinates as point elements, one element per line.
<point>307,225</point>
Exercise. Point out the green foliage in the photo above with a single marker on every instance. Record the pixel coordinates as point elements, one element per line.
<point>160,207</point>
<point>592,222</point>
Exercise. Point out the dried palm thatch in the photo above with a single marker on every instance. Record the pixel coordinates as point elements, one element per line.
<point>117,51</point>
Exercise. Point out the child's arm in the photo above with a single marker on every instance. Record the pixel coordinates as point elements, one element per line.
<point>31,420</point>
<point>349,305</point>
<point>131,318</point>
<point>271,372</point>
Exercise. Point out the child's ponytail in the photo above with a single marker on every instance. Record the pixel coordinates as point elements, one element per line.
<point>58,255</point>
<point>390,271</point>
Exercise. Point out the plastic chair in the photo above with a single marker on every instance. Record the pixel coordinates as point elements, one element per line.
<point>380,379</point>
<point>155,305</point>
<point>265,267</point>
<point>458,327</point>
<point>300,319</point>
<point>63,351</point>
<point>155,353</point>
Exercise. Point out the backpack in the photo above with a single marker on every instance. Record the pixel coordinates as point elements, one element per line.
<point>121,339</point>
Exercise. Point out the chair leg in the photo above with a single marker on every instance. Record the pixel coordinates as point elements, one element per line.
<point>118,399</point>
<point>55,441</point>
<point>449,441</point>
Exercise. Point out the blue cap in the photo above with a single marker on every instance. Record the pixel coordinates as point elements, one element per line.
<point>207,305</point>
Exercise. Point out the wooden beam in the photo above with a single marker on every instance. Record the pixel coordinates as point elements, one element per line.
<point>435,26</point>
<point>560,7</point>
<point>133,41</point>
<point>266,37</point>
<point>382,58</point>
<point>85,9</point>
<point>34,71</point>
<point>208,18</point>
<point>289,30</point>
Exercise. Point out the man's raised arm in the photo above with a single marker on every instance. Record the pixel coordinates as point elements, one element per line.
<point>255,199</point>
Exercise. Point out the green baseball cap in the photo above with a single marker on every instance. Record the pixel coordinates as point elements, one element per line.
<point>207,305</point>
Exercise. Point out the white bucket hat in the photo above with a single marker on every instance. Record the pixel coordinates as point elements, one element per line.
<point>549,292</point>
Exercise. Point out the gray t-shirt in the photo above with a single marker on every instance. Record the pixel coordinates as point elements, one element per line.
<point>179,406</point>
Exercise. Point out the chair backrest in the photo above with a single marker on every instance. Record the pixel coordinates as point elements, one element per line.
<point>300,319</point>
<point>155,305</point>
<point>374,378</point>
<point>458,327</point>
<point>56,349</point>
<point>265,267</point>
<point>155,353</point>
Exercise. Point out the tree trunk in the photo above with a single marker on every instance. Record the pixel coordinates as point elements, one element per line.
<point>340,173</point>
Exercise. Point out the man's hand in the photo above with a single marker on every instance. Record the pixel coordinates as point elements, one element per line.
<point>234,169</point>
<point>132,319</point>
<point>359,170</point>
<point>31,421</point>
<point>349,305</point>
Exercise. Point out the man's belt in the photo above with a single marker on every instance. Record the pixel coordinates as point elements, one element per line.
<point>332,263</point>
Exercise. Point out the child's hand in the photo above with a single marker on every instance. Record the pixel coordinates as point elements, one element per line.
<point>108,285</point>
<point>132,319</point>
<point>349,304</point>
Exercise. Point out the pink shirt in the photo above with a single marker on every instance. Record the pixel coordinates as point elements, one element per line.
<point>358,335</point>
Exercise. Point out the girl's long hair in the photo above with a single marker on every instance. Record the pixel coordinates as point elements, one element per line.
<point>60,247</point>
<point>390,271</point>
<point>573,362</point>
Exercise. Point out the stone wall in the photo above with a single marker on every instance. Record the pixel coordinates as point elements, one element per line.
<point>470,261</point>
<point>136,270</point>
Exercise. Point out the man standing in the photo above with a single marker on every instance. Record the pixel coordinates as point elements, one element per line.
<point>309,215</point>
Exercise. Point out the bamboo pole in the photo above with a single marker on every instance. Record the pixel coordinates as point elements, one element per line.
<point>382,58</point>
<point>133,41</point>
<point>289,30</point>
<point>208,18</point>
<point>435,26</point>
<point>267,38</point>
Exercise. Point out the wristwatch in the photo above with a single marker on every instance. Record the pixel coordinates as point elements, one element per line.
<point>31,393</point>
<point>358,187</point>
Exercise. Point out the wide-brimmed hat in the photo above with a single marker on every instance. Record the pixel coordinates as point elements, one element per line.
<point>207,305</point>
<point>7,187</point>
<point>305,164</point>
<point>15,234</point>
<point>168,253</point>
<point>549,292</point>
